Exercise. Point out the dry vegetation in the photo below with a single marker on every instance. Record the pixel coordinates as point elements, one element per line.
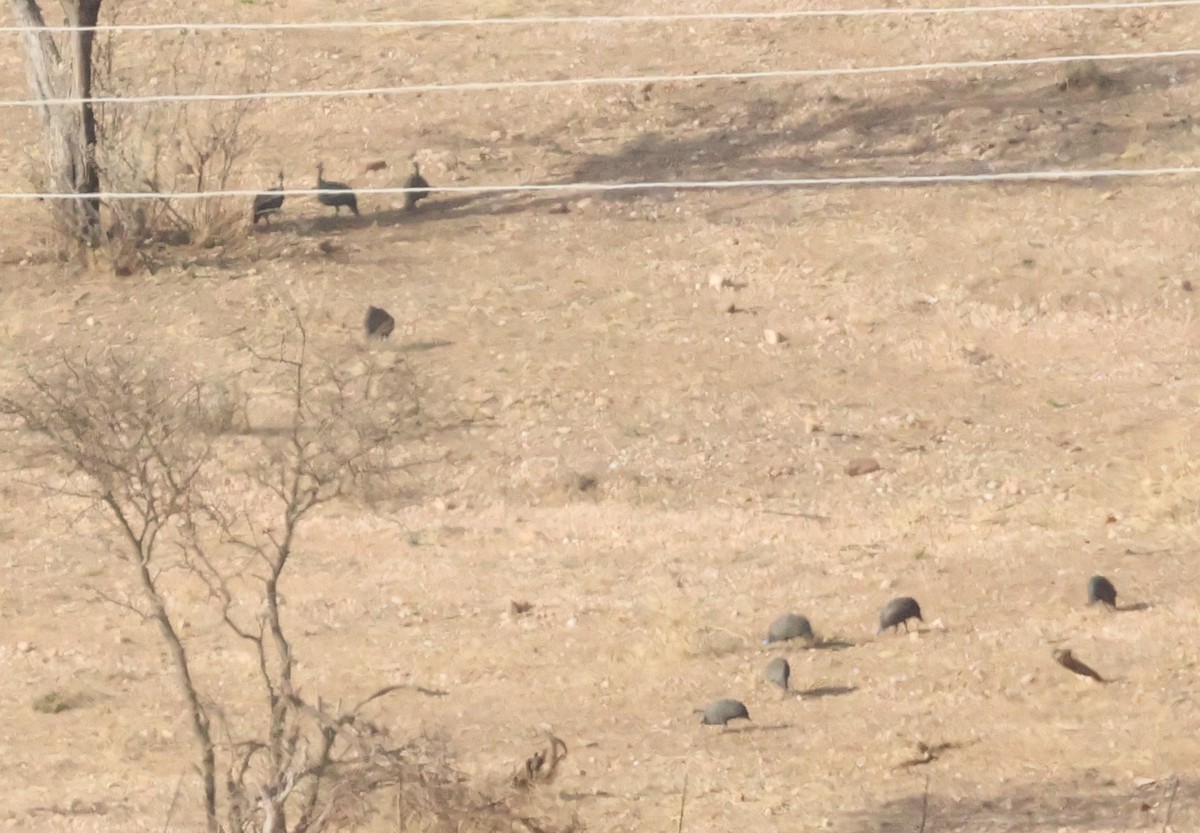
<point>627,482</point>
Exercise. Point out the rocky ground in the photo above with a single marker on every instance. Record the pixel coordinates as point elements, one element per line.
<point>639,458</point>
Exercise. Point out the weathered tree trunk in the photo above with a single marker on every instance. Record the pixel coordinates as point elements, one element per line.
<point>69,130</point>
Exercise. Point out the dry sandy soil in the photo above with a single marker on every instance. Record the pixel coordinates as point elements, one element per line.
<point>642,466</point>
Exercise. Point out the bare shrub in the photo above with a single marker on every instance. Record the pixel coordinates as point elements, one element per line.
<point>189,146</point>
<point>139,445</point>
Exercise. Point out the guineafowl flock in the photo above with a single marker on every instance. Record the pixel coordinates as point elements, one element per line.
<point>335,195</point>
<point>899,611</point>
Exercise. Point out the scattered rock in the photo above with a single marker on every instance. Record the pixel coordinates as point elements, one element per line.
<point>519,608</point>
<point>773,337</point>
<point>52,702</point>
<point>560,208</point>
<point>861,466</point>
<point>714,642</point>
<point>375,165</point>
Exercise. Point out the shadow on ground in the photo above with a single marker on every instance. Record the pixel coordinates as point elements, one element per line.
<point>952,125</point>
<point>1082,805</point>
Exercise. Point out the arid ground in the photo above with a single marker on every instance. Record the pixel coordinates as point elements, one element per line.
<point>639,461</point>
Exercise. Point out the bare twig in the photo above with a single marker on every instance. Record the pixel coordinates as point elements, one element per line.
<point>1170,804</point>
<point>682,801</point>
<point>136,447</point>
<point>174,800</point>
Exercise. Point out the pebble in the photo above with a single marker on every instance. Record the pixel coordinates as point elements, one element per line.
<point>861,466</point>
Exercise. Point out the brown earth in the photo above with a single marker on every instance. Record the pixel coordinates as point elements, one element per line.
<point>648,471</point>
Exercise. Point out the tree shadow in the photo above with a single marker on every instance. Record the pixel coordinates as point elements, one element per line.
<point>948,125</point>
<point>932,120</point>
<point>1085,804</point>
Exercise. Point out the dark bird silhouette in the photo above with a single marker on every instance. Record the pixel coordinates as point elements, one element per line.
<point>268,203</point>
<point>342,194</point>
<point>897,612</point>
<point>1067,660</point>
<point>378,323</point>
<point>779,672</point>
<point>789,626</point>
<point>1101,589</point>
<point>416,188</point>
<point>723,711</point>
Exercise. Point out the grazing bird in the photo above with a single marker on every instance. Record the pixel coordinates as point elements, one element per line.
<point>789,626</point>
<point>379,324</point>
<point>1101,589</point>
<point>897,612</point>
<point>416,188</point>
<point>268,203</point>
<point>723,711</point>
<point>342,194</point>
<point>1067,660</point>
<point>779,672</point>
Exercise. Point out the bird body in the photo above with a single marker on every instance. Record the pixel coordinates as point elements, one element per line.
<point>897,612</point>
<point>723,711</point>
<point>416,188</point>
<point>342,194</point>
<point>779,672</point>
<point>268,203</point>
<point>1101,590</point>
<point>379,323</point>
<point>789,626</point>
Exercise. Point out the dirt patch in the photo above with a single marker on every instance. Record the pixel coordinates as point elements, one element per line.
<point>650,473</point>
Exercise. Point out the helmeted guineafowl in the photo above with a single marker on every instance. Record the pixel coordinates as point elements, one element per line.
<point>1101,589</point>
<point>268,203</point>
<point>723,711</point>
<point>342,194</point>
<point>897,612</point>
<point>416,188</point>
<point>789,626</point>
<point>379,323</point>
<point>778,672</point>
